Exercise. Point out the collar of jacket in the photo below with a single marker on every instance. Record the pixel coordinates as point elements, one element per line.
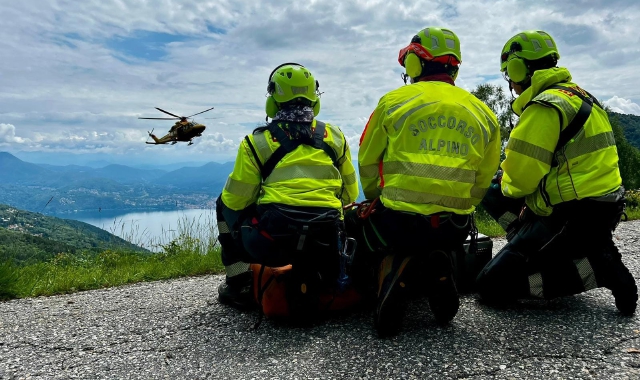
<point>438,78</point>
<point>540,80</point>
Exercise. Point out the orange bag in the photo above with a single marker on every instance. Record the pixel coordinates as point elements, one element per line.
<point>270,283</point>
<point>272,291</point>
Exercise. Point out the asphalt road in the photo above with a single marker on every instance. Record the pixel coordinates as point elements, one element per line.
<point>177,329</point>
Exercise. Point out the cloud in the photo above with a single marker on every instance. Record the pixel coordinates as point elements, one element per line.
<point>76,75</point>
<point>622,105</point>
<point>8,135</point>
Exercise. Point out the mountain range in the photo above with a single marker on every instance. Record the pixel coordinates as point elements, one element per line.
<point>56,189</point>
<point>61,189</point>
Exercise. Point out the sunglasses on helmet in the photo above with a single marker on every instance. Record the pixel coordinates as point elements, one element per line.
<point>514,48</point>
<point>423,53</point>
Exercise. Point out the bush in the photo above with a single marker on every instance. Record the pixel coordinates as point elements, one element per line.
<point>633,199</point>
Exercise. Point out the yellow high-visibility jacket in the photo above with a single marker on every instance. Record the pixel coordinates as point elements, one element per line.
<point>304,177</point>
<point>429,147</point>
<point>587,166</point>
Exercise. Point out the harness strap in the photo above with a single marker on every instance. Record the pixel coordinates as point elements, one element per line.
<point>287,146</point>
<point>578,121</point>
<point>319,143</point>
<point>303,237</point>
<point>253,150</point>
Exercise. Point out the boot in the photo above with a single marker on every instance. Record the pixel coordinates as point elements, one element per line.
<point>612,274</point>
<point>236,292</point>
<point>620,281</point>
<point>391,304</point>
<point>442,292</point>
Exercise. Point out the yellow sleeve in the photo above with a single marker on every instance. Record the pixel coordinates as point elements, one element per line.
<point>348,173</point>
<point>491,160</point>
<point>373,144</point>
<point>243,185</point>
<point>530,150</point>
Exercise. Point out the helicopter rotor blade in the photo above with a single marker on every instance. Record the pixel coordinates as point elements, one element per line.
<point>168,113</point>
<point>159,118</point>
<point>201,112</point>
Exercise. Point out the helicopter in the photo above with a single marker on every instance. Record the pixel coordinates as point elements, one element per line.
<point>182,130</point>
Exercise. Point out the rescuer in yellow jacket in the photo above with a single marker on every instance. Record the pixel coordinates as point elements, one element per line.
<point>290,180</point>
<point>561,187</point>
<point>427,156</point>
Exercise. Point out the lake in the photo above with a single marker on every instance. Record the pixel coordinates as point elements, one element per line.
<point>149,229</point>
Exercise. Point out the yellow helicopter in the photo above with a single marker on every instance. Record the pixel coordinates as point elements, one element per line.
<point>182,130</point>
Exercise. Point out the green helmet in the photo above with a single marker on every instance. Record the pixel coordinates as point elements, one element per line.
<point>291,81</point>
<point>529,45</point>
<point>439,42</point>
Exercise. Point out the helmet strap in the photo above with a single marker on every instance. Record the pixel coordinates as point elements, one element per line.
<point>511,113</point>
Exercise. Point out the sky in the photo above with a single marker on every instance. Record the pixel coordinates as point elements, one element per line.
<point>76,75</point>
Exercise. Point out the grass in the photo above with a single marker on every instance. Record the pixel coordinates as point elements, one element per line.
<point>66,274</point>
<point>194,251</point>
<point>488,226</point>
<point>633,213</point>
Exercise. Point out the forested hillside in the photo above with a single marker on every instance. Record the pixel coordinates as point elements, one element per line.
<point>631,127</point>
<point>27,235</point>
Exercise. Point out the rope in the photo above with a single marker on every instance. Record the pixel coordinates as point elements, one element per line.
<point>364,209</point>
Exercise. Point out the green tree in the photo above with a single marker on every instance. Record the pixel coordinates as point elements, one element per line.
<point>629,157</point>
<point>500,103</point>
<point>630,125</point>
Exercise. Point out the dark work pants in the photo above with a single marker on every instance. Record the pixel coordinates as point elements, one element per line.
<point>566,253</point>
<point>387,231</point>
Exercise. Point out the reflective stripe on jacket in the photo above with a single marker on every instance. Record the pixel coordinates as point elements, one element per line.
<point>304,177</point>
<point>439,147</point>
<point>587,166</point>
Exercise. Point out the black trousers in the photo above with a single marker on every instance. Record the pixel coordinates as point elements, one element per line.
<point>276,236</point>
<point>566,253</point>
<point>388,231</point>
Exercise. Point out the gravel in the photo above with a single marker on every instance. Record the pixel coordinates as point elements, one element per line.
<point>177,329</point>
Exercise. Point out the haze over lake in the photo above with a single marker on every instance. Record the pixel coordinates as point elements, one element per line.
<point>150,228</point>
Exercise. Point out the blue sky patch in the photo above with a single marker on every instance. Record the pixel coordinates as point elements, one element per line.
<point>492,77</point>
<point>66,39</point>
<point>150,46</point>
<point>215,30</point>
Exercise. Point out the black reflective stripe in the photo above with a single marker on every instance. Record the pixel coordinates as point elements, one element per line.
<point>255,154</point>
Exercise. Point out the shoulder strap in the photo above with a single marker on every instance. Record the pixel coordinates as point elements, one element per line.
<point>286,145</point>
<point>319,143</point>
<point>255,154</point>
<point>578,121</point>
